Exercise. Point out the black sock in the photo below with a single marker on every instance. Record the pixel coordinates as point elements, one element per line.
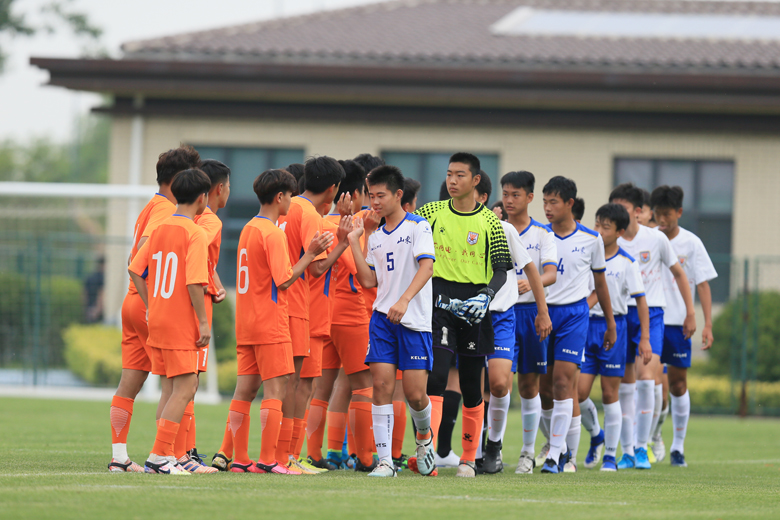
<point>449,414</point>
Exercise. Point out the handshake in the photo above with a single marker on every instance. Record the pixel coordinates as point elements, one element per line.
<point>472,310</point>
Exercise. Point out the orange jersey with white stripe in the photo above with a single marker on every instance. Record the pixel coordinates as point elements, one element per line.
<point>175,256</point>
<point>158,206</point>
<point>212,225</point>
<point>321,294</point>
<point>263,265</point>
<point>349,306</point>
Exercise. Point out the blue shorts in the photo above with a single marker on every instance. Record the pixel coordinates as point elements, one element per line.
<point>608,363</point>
<point>677,349</point>
<point>569,332</point>
<point>635,331</point>
<point>504,337</point>
<point>530,353</point>
<point>395,344</point>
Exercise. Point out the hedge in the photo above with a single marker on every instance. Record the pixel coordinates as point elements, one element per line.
<point>94,353</point>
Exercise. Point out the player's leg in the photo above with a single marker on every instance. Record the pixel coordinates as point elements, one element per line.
<point>435,388</point>
<point>274,392</point>
<point>311,372</point>
<point>500,380</point>
<point>627,391</point>
<point>575,428</point>
<point>288,411</point>
<point>590,369</point>
<point>450,408</point>
<point>203,362</point>
<point>318,408</point>
<point>613,420</point>
<point>677,355</point>
<point>337,419</point>
<point>399,422</point>
<point>382,415</point>
<point>470,369</point>
<point>659,448</point>
<point>645,388</point>
<point>239,418</point>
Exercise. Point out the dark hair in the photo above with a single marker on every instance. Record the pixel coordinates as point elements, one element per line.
<point>270,183</point>
<point>500,204</point>
<point>411,189</point>
<point>520,180</point>
<point>190,184</point>
<point>616,213</point>
<point>444,193</point>
<point>561,186</point>
<point>321,173</point>
<point>578,208</point>
<point>368,161</point>
<point>390,176</point>
<point>645,197</point>
<point>301,186</point>
<point>296,169</point>
<point>467,158</point>
<point>175,160</point>
<point>354,178</point>
<point>218,172</point>
<point>628,192</point>
<point>667,197</point>
<point>484,187</point>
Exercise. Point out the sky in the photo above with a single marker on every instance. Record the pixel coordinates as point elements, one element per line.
<point>29,109</point>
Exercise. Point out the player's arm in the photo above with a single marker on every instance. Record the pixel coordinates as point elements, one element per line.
<point>199,304</point>
<point>138,270</point>
<point>140,286</point>
<point>319,244</point>
<point>370,224</point>
<point>645,351</point>
<point>543,322</point>
<point>705,297</point>
<point>548,277</point>
<point>421,277</point>
<point>593,299</point>
<point>365,275</point>
<point>221,292</point>
<point>602,293</point>
<point>689,325</point>
<point>321,267</point>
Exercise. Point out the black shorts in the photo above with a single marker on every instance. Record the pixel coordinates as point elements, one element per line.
<point>455,334</point>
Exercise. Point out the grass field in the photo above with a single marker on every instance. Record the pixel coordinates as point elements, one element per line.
<point>55,455</point>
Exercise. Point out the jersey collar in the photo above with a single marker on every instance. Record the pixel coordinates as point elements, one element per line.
<point>461,214</point>
<point>384,228</point>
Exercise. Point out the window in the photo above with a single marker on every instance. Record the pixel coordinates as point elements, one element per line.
<point>430,168</point>
<point>245,165</point>
<point>707,206</point>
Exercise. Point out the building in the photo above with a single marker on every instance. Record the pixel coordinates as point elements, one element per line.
<point>603,91</point>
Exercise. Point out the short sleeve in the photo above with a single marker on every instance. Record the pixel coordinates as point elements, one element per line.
<point>197,268</point>
<point>634,282</point>
<point>520,256</point>
<point>500,257</point>
<point>423,242</point>
<point>140,262</point>
<point>211,224</point>
<point>668,256</point>
<point>429,211</point>
<point>311,224</point>
<point>549,253</point>
<point>160,213</point>
<point>277,256</point>
<point>703,270</point>
<point>598,262</point>
<point>370,255</point>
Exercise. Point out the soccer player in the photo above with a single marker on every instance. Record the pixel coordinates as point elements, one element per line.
<point>174,262</point>
<point>667,203</point>
<point>646,217</point>
<point>472,262</point>
<point>654,254</point>
<point>136,361</point>
<point>578,210</point>
<point>400,264</point>
<point>624,282</point>
<point>411,189</point>
<point>580,252</point>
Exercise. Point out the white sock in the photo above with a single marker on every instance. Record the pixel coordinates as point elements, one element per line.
<point>383,430</point>
<point>660,426</point>
<point>626,398</point>
<point>613,422</point>
<point>544,423</point>
<point>590,417</point>
<point>119,452</point>
<point>645,390</point>
<point>479,446</point>
<point>421,419</point>
<point>497,411</point>
<point>559,426</point>
<point>573,437</point>
<point>681,412</point>
<point>658,395</point>
<point>532,412</point>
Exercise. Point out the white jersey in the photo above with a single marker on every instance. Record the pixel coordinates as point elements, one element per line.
<point>506,297</point>
<point>654,255</point>
<point>698,268</point>
<point>394,255</point>
<point>579,253</point>
<point>540,246</point>
<point>624,282</point>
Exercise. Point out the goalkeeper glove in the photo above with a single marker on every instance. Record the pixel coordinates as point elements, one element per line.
<point>452,305</point>
<point>475,308</point>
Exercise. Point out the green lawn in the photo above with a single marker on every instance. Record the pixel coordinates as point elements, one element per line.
<point>55,453</point>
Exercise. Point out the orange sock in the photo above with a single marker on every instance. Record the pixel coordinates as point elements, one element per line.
<point>271,421</point>
<point>166,436</point>
<point>239,419</point>
<point>227,440</point>
<point>472,428</point>
<point>337,427</point>
<point>315,428</point>
<point>296,441</point>
<point>283,446</point>
<point>180,445</point>
<point>437,403</point>
<point>399,427</point>
<point>192,434</point>
<point>363,431</point>
<point>120,416</point>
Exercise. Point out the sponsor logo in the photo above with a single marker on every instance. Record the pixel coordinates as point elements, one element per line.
<point>578,250</point>
<point>468,437</point>
<point>503,349</point>
<point>611,366</point>
<point>567,351</point>
<point>680,355</point>
<point>616,274</point>
<point>682,259</point>
<point>407,240</point>
<point>472,238</point>
<point>419,358</point>
<point>535,247</point>
<point>644,256</point>
<point>472,345</point>
<point>441,230</point>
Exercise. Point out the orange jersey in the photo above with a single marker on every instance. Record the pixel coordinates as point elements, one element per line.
<point>263,265</point>
<point>349,306</point>
<point>321,294</point>
<point>175,256</point>
<point>300,225</point>
<point>157,206</point>
<point>212,225</point>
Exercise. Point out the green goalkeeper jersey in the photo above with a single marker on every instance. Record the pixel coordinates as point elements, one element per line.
<point>469,246</point>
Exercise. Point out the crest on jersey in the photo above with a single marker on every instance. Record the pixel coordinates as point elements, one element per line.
<point>644,256</point>
<point>472,238</point>
<point>682,260</point>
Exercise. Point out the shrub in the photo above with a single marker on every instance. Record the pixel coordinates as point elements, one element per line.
<point>94,353</point>
<point>227,374</point>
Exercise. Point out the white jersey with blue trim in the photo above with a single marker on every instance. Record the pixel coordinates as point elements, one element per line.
<point>698,267</point>
<point>624,282</point>
<point>506,297</point>
<point>654,254</point>
<point>540,246</point>
<point>579,253</point>
<point>394,256</point>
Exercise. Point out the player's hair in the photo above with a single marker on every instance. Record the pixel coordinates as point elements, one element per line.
<point>368,161</point>
<point>484,187</point>
<point>301,186</point>
<point>467,158</point>
<point>411,189</point>
<point>390,176</point>
<point>520,179</point>
<point>561,186</point>
<point>616,213</point>
<point>296,169</point>
<point>175,160</point>
<point>354,178</point>
<point>667,197</point>
<point>628,192</point>
<point>444,193</point>
<point>270,183</point>
<point>645,197</point>
<point>578,208</point>
<point>190,184</point>
<point>218,172</point>
<point>322,172</point>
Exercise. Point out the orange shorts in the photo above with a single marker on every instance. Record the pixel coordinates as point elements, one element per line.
<point>171,363</point>
<point>351,342</point>
<point>136,354</point>
<point>312,365</point>
<point>330,356</point>
<point>267,361</point>
<point>299,333</point>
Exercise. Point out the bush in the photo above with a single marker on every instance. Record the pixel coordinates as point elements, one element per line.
<point>227,375</point>
<point>94,353</point>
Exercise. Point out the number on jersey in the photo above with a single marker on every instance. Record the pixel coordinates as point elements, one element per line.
<point>243,269</point>
<point>168,275</point>
<point>560,266</point>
